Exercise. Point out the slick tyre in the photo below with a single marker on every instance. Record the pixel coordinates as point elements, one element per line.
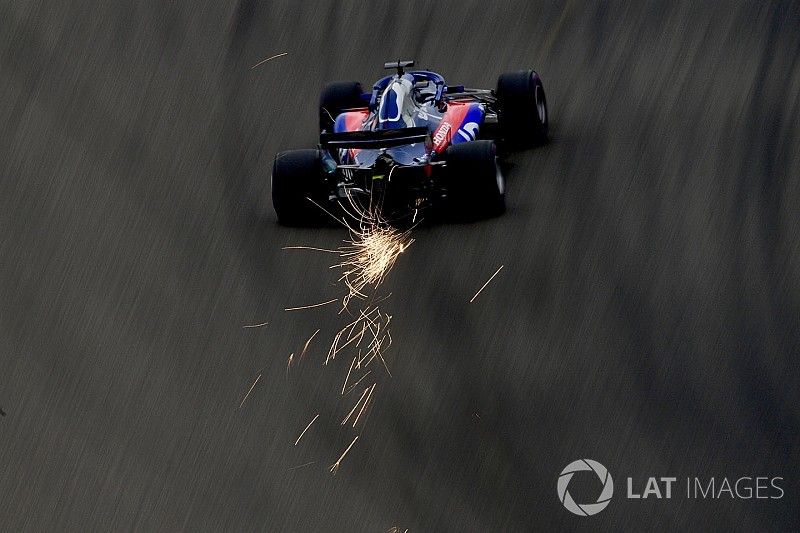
<point>335,98</point>
<point>297,184</point>
<point>475,183</point>
<point>522,107</point>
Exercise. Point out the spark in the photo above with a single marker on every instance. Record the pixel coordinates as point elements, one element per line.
<point>380,356</point>
<point>364,406</point>
<point>307,343</point>
<point>302,466</point>
<point>311,306</point>
<point>371,250</point>
<point>335,466</point>
<point>354,385</point>
<point>360,335</point>
<point>255,325</point>
<point>289,364</point>
<point>304,431</point>
<point>377,353</point>
<point>368,257</point>
<point>333,119</point>
<point>379,338</point>
<point>341,220</point>
<point>487,282</point>
<point>340,348</point>
<point>353,410</point>
<point>269,59</point>
<point>336,348</point>
<point>365,258</point>
<point>331,352</point>
<point>348,375</point>
<point>249,391</point>
<point>374,327</point>
<point>310,248</point>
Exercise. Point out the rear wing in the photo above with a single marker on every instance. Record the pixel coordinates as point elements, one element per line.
<point>374,139</point>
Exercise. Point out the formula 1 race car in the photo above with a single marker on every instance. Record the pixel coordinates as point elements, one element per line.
<point>410,145</point>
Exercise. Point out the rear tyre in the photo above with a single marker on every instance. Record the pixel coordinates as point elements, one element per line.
<point>475,183</point>
<point>522,106</point>
<point>296,181</point>
<point>336,97</point>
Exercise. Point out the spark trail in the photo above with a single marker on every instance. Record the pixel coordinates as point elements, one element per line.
<point>364,260</point>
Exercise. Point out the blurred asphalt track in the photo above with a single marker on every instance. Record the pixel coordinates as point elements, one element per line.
<point>648,315</point>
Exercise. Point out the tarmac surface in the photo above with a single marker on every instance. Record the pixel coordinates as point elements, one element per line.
<point>647,315</point>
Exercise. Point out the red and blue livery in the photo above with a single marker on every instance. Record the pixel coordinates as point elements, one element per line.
<point>411,145</point>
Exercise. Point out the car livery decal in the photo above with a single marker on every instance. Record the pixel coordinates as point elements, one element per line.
<point>470,125</point>
<point>460,123</point>
<point>351,121</point>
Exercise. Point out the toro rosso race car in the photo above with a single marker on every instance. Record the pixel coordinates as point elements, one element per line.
<point>413,144</point>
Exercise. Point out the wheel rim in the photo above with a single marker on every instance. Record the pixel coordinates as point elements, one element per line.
<point>499,178</point>
<point>541,106</point>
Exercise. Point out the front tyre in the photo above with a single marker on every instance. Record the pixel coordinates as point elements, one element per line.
<point>297,184</point>
<point>475,183</point>
<point>522,106</point>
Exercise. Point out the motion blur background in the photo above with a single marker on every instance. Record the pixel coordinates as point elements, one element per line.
<point>647,316</point>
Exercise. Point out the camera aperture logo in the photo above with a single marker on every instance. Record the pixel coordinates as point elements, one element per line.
<point>742,487</point>
<point>585,509</point>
